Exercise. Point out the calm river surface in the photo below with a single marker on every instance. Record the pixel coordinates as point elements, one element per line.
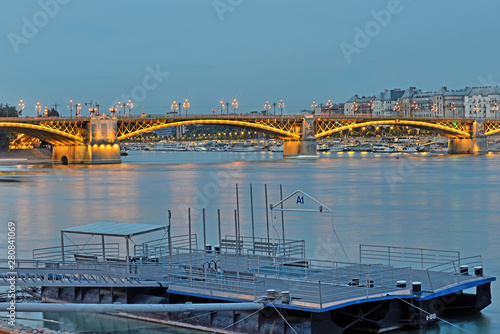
<point>421,200</point>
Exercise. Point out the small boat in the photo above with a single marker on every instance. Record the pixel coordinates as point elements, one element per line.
<point>276,148</point>
<point>383,148</point>
<point>123,152</point>
<point>322,148</point>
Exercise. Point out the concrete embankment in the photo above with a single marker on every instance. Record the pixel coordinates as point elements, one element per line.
<point>29,156</point>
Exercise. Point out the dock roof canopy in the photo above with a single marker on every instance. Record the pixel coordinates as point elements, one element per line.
<point>115,229</point>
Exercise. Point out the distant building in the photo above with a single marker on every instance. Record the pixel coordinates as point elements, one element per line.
<point>415,103</point>
<point>167,132</point>
<point>336,109</point>
<point>482,102</point>
<point>449,104</point>
<point>359,106</point>
<point>384,105</point>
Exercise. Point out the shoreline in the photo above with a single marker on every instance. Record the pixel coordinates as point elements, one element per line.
<point>25,156</point>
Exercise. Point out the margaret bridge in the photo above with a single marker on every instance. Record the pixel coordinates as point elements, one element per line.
<point>96,140</point>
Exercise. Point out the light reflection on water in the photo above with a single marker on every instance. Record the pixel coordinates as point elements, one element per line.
<point>428,201</point>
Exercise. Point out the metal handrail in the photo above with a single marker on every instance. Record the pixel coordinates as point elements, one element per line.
<point>391,254</point>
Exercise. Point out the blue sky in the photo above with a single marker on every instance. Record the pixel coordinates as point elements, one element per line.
<point>253,50</point>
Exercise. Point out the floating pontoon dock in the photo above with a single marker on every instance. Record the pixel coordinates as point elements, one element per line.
<point>390,287</point>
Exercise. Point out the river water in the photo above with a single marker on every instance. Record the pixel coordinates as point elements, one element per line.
<point>449,202</point>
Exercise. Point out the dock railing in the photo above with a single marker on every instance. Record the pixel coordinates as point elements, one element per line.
<point>405,255</point>
<point>263,246</point>
<point>160,248</point>
<point>453,272</point>
<point>54,254</point>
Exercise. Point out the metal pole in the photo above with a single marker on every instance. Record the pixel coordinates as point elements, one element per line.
<point>204,246</point>
<point>128,257</point>
<point>189,232</point>
<point>218,223</point>
<point>282,218</point>
<point>169,236</point>
<point>103,248</point>
<point>131,308</point>
<point>237,249</point>
<point>62,246</point>
<point>238,208</point>
<point>267,212</point>
<point>253,226</point>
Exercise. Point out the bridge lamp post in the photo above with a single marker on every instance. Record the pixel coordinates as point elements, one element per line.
<point>414,107</point>
<point>70,107</point>
<point>313,106</point>
<point>221,106</point>
<point>38,109</point>
<point>119,107</point>
<point>174,107</point>
<point>186,105</point>
<point>235,105</point>
<point>21,106</point>
<point>329,104</point>
<point>130,106</point>
<point>112,111</point>
<point>267,107</point>
<point>78,106</point>
<point>281,105</point>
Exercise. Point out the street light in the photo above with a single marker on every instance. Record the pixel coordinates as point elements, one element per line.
<point>70,107</point>
<point>130,106</point>
<point>112,110</point>
<point>21,106</point>
<point>38,108</point>
<point>329,104</point>
<point>281,105</point>
<point>414,107</point>
<point>78,106</point>
<point>173,107</point>
<point>221,106</point>
<point>119,107</point>
<point>313,106</point>
<point>267,107</point>
<point>235,105</point>
<point>186,105</point>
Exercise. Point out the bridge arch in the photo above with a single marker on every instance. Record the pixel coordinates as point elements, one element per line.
<point>45,132</point>
<point>447,128</point>
<point>283,133</point>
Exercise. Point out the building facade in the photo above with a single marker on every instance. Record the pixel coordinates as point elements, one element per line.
<point>482,102</point>
<point>359,106</point>
<point>384,104</point>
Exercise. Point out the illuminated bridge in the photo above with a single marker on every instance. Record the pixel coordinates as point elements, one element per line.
<point>96,139</point>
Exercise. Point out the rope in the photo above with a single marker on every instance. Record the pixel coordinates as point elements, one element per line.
<point>248,316</point>
<point>441,319</point>
<point>340,242</point>
<point>282,317</point>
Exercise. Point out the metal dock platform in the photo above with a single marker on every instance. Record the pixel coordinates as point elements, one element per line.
<point>390,287</point>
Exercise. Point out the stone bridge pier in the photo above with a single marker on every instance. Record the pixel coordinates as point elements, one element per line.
<point>476,144</point>
<point>306,145</point>
<point>100,147</point>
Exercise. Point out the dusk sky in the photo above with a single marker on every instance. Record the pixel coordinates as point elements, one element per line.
<point>254,50</point>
